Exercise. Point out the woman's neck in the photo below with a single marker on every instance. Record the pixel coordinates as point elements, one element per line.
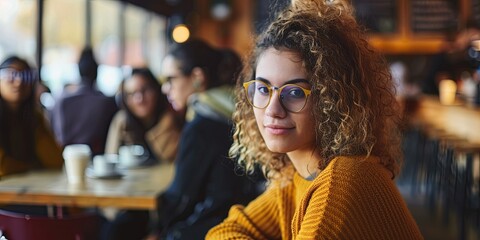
<point>12,107</point>
<point>149,121</point>
<point>305,163</point>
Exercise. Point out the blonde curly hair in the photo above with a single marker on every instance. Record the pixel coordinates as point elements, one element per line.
<point>354,105</point>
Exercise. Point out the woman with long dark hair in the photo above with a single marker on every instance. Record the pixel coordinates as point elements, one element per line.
<point>146,119</point>
<point>199,80</point>
<point>25,141</point>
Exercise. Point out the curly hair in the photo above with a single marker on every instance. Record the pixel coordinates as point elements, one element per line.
<point>354,105</point>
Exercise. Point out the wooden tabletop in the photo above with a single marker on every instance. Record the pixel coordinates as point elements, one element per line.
<point>137,189</point>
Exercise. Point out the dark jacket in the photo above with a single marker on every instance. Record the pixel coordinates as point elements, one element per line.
<point>83,117</point>
<point>206,184</point>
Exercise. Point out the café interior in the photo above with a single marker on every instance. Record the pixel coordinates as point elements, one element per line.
<point>432,48</point>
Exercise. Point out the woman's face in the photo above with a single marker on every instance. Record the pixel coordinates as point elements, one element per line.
<point>141,97</point>
<point>284,131</point>
<point>14,89</point>
<point>178,86</point>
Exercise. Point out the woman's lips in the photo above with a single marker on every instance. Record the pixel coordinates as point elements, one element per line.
<point>277,129</point>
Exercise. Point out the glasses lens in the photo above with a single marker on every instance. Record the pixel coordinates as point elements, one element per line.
<point>12,75</point>
<point>7,74</point>
<point>293,98</point>
<point>258,94</point>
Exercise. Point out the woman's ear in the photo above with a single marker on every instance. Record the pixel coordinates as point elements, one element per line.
<point>199,80</point>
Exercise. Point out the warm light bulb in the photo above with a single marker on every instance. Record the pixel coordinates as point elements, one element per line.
<point>180,33</point>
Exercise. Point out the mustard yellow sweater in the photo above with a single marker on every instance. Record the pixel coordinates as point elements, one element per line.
<point>351,199</point>
<point>47,152</point>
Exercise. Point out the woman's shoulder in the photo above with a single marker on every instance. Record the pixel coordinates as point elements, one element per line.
<point>358,167</point>
<point>352,175</point>
<point>166,123</point>
<point>120,115</point>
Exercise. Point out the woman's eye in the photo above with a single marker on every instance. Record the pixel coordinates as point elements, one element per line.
<point>296,93</point>
<point>262,90</point>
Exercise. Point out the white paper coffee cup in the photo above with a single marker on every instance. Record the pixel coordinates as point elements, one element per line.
<point>77,157</point>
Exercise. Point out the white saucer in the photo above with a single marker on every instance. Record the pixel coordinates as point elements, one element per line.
<point>120,166</point>
<point>114,175</point>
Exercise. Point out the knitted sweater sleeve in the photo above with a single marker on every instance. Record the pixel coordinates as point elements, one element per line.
<point>258,220</point>
<point>354,202</point>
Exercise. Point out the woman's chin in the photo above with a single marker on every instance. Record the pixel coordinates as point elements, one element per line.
<point>177,107</point>
<point>276,148</point>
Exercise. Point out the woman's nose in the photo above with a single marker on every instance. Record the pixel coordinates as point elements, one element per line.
<point>137,97</point>
<point>274,107</point>
<point>166,88</point>
<point>16,81</point>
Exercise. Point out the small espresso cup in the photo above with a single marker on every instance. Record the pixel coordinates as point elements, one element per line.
<point>130,155</point>
<point>104,165</point>
<point>77,158</point>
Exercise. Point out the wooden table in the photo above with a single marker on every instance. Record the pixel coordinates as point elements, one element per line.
<point>137,189</point>
<point>458,120</point>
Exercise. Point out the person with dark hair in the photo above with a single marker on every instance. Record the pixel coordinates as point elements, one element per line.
<point>25,141</point>
<point>146,119</point>
<point>453,60</point>
<point>82,114</point>
<point>316,109</point>
<point>199,80</point>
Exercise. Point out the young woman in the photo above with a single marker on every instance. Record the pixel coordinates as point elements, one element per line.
<point>199,81</point>
<point>146,119</point>
<point>316,109</point>
<point>25,141</point>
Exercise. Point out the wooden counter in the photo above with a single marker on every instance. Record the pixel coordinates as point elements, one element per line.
<point>458,120</point>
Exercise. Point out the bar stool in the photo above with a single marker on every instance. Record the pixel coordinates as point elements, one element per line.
<point>438,160</point>
<point>466,199</point>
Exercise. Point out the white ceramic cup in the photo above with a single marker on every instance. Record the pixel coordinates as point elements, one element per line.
<point>447,89</point>
<point>130,155</point>
<point>104,165</point>
<point>77,157</point>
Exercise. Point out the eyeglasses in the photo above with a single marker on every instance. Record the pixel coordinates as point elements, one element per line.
<point>140,92</point>
<point>11,75</point>
<point>292,97</point>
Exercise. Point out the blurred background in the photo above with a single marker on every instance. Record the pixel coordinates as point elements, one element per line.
<point>51,33</point>
<point>411,34</point>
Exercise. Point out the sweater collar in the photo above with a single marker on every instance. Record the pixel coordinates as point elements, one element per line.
<point>216,103</point>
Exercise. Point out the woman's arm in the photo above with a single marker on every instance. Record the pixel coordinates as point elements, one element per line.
<point>163,138</point>
<point>48,152</point>
<point>258,220</point>
<point>8,165</point>
<point>114,133</point>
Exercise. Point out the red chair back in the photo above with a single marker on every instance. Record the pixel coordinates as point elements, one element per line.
<point>17,226</point>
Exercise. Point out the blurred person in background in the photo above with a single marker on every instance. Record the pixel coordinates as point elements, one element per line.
<point>316,108</point>
<point>25,140</point>
<point>82,114</point>
<point>453,60</point>
<point>199,80</point>
<point>147,120</point>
